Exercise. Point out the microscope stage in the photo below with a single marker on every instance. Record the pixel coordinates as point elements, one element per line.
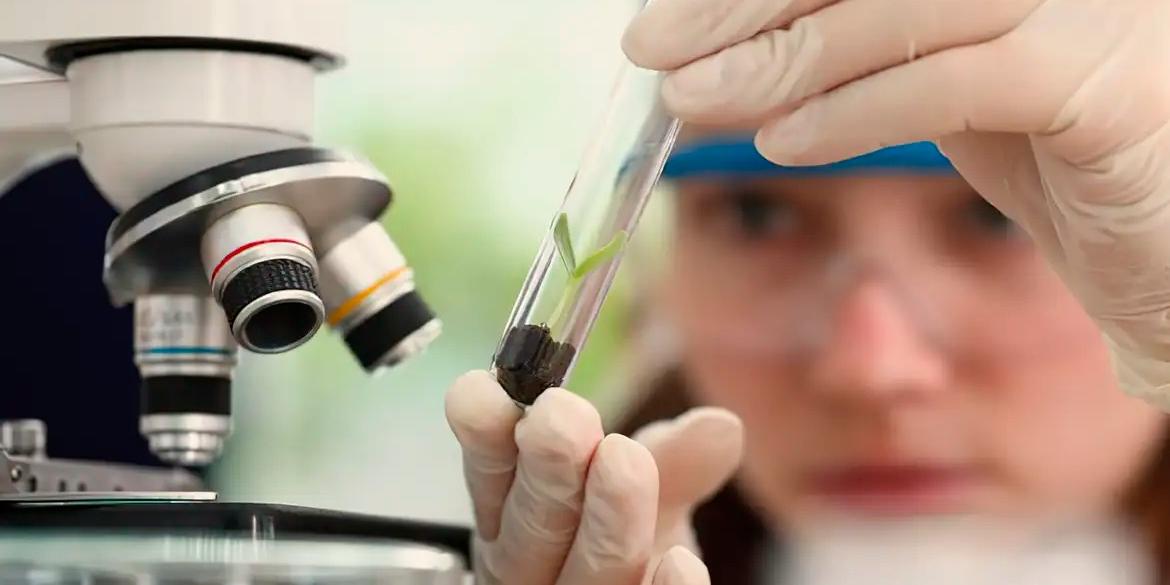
<point>212,542</point>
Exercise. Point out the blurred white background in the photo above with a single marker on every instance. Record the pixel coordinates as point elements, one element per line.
<point>477,112</point>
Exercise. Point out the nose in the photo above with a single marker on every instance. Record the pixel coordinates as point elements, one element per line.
<point>876,348</point>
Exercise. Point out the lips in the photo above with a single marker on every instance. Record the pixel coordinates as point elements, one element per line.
<point>894,489</point>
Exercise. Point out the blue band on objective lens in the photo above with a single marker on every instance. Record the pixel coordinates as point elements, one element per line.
<point>738,156</point>
<point>187,350</point>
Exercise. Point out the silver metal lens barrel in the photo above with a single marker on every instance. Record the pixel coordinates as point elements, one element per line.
<point>186,355</point>
<point>190,440</point>
<point>260,263</point>
<point>371,300</point>
<point>182,335</point>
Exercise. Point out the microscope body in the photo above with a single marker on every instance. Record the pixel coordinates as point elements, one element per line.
<point>194,120</point>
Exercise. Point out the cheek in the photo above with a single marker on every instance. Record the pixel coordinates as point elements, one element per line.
<point>1040,402</point>
<point>1051,417</point>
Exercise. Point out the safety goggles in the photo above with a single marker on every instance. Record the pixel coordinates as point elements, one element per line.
<point>775,302</point>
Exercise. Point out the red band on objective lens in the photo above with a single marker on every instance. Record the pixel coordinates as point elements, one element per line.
<point>249,246</point>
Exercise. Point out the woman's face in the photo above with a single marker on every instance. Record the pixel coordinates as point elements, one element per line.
<point>896,347</point>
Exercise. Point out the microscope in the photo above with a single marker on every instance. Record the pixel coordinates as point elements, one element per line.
<point>235,233</point>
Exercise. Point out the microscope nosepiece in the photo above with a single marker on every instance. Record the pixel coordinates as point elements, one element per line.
<point>262,270</point>
<point>370,294</point>
<point>186,355</point>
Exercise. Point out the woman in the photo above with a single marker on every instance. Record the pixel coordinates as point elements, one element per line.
<point>893,347</point>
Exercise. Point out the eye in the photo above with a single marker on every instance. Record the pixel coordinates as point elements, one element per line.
<point>984,216</point>
<point>757,215</point>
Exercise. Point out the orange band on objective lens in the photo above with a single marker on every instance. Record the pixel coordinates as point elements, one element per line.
<point>356,300</point>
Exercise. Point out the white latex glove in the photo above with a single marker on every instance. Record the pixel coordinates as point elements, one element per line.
<point>556,503</point>
<point>1057,111</point>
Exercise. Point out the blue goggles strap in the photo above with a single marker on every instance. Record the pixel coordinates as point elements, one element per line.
<point>738,156</point>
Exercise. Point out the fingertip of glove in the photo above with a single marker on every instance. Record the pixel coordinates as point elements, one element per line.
<point>699,91</point>
<point>707,421</point>
<point>625,465</point>
<point>621,497</point>
<point>698,451</point>
<point>654,433</point>
<point>478,409</point>
<point>724,433</point>
<point>657,37</point>
<point>712,416</point>
<point>680,566</point>
<point>633,45</point>
<point>797,137</point>
<point>640,41</point>
<point>560,403</point>
<point>559,425</point>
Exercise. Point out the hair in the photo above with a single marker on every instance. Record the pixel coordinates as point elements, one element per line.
<point>734,538</point>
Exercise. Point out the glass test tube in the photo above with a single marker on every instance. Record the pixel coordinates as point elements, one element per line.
<point>579,258</point>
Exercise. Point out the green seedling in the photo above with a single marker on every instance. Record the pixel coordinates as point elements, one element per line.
<point>578,271</point>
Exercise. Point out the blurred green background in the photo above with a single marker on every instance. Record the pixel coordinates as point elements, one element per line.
<point>478,113</point>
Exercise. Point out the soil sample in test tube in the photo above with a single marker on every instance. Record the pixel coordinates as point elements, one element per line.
<point>530,361</point>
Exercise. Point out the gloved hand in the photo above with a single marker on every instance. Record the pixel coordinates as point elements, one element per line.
<point>556,503</point>
<point>1056,111</point>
